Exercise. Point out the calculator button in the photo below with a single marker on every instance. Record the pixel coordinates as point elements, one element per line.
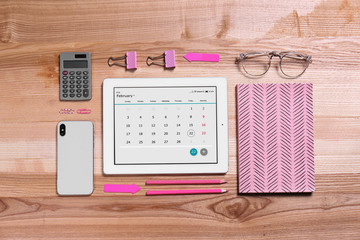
<point>72,95</point>
<point>72,81</point>
<point>78,95</point>
<point>65,77</point>
<point>65,90</point>
<point>78,72</point>
<point>191,133</point>
<point>86,81</point>
<point>85,72</point>
<point>72,77</point>
<point>65,72</point>
<point>86,92</point>
<point>78,77</point>
<point>78,90</point>
<point>85,77</point>
<point>72,86</point>
<point>65,82</point>
<point>78,81</point>
<point>72,90</point>
<point>72,72</point>
<point>86,86</point>
<point>65,86</point>
<point>65,95</point>
<point>193,152</point>
<point>204,151</point>
<point>78,86</point>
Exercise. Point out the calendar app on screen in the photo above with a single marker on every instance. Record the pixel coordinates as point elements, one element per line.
<point>165,125</point>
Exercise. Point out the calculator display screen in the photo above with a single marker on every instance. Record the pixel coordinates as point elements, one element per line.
<point>75,64</point>
<point>165,125</point>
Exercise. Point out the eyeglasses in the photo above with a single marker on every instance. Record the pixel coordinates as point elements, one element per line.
<point>256,64</point>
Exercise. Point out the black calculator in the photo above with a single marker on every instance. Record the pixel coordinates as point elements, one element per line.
<point>75,76</point>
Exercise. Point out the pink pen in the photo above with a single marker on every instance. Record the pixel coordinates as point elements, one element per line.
<point>186,191</point>
<point>184,182</point>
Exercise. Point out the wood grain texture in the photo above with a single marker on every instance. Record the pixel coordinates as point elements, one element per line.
<point>34,32</point>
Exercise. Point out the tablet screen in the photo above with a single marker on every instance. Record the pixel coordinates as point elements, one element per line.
<point>165,125</point>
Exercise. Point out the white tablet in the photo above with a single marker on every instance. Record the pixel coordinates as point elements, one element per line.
<point>165,125</point>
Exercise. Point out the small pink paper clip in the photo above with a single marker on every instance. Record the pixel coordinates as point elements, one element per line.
<point>169,59</point>
<point>130,61</point>
<point>66,111</point>
<point>83,111</point>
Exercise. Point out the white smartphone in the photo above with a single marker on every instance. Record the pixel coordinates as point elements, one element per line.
<point>75,158</point>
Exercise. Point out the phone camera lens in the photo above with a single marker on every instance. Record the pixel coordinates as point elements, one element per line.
<point>62,130</point>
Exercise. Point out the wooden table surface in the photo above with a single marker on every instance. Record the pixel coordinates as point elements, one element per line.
<point>33,33</point>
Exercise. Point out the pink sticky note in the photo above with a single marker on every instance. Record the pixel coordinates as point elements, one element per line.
<point>204,57</point>
<point>121,188</point>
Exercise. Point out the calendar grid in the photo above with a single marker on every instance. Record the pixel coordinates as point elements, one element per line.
<point>165,125</point>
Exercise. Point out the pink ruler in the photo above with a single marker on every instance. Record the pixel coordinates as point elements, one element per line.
<point>275,138</point>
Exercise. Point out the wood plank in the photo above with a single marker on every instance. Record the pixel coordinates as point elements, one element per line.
<point>44,185</point>
<point>24,21</point>
<point>216,216</point>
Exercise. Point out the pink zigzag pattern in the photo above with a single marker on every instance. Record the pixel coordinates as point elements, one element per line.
<point>275,138</point>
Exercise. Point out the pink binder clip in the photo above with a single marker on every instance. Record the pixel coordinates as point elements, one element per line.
<point>130,61</point>
<point>169,59</point>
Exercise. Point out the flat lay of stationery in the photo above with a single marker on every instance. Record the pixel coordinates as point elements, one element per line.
<point>179,120</point>
<point>180,125</point>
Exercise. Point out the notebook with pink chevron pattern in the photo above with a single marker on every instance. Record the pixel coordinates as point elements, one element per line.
<point>275,138</point>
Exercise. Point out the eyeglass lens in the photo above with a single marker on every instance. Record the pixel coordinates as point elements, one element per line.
<point>256,64</point>
<point>292,65</point>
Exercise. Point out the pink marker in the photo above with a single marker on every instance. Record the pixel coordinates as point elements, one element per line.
<point>184,182</point>
<point>186,191</point>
